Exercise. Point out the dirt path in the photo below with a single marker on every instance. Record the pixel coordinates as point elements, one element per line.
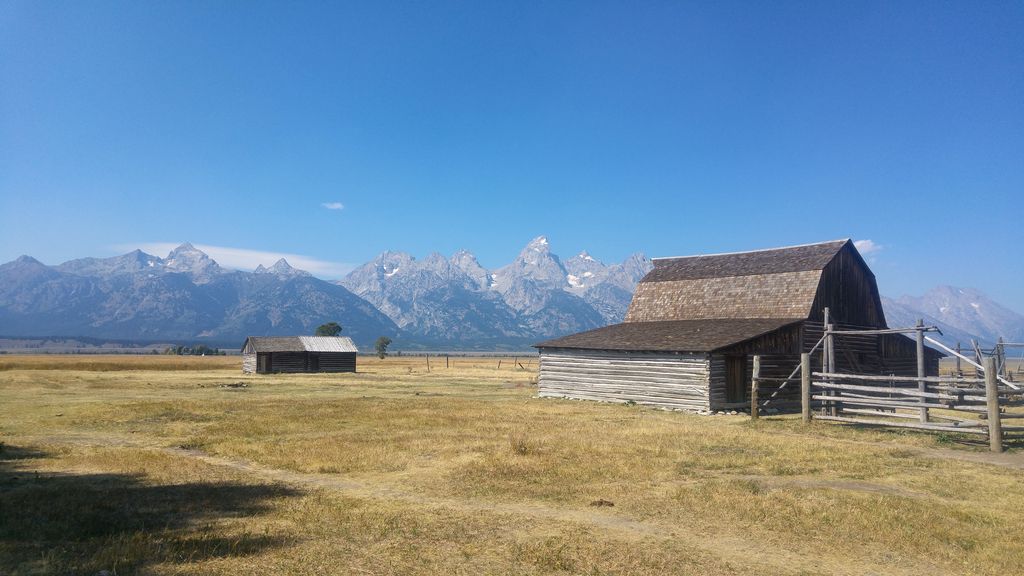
<point>755,553</point>
<point>1013,460</point>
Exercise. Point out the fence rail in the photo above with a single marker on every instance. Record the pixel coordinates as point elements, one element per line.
<point>937,404</point>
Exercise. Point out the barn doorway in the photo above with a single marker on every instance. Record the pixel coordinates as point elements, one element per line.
<point>263,363</point>
<point>735,378</point>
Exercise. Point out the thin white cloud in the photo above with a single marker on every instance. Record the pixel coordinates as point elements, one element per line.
<point>333,205</point>
<point>867,247</point>
<point>245,259</point>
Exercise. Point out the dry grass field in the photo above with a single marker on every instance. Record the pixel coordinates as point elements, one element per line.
<point>157,465</point>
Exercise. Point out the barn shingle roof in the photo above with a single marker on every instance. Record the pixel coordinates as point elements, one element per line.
<point>671,336</point>
<point>757,262</point>
<point>777,283</point>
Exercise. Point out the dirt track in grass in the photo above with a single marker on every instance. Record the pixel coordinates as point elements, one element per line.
<point>396,470</point>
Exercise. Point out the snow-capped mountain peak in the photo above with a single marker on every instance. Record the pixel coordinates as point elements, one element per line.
<point>966,309</point>
<point>281,268</point>
<point>190,260</point>
<point>539,244</point>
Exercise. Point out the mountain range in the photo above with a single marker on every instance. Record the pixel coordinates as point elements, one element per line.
<point>455,301</point>
<point>438,302</point>
<point>186,296</point>
<point>962,314</point>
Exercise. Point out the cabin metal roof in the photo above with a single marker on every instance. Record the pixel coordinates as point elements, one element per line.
<point>328,344</point>
<point>672,335</point>
<point>300,344</point>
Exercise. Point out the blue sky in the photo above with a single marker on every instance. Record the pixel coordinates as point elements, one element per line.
<point>670,128</point>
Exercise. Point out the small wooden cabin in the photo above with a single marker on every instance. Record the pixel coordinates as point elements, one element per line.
<point>695,323</point>
<point>269,354</point>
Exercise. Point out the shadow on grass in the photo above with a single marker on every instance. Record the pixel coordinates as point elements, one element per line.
<point>87,523</point>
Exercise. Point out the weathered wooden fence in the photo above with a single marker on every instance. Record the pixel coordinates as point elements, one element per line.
<point>938,404</point>
<point>1004,362</point>
<point>953,403</point>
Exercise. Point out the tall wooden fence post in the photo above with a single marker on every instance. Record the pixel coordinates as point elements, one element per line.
<point>833,406</point>
<point>826,317</point>
<point>995,427</point>
<point>921,386</point>
<point>805,386</point>
<point>959,372</point>
<point>754,381</point>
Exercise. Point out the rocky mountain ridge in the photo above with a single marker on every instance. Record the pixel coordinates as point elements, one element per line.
<point>962,314</point>
<point>455,300</point>
<point>186,296</point>
<point>438,302</point>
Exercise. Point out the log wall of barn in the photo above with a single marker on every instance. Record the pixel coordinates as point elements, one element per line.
<point>656,379</point>
<point>249,363</point>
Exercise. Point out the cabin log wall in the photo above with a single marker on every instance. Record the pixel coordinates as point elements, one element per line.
<point>249,363</point>
<point>301,362</point>
<point>337,361</point>
<point>287,361</point>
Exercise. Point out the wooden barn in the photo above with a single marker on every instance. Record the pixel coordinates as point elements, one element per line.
<point>269,354</point>
<point>695,323</point>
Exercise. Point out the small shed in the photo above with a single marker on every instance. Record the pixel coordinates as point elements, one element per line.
<point>270,354</point>
<point>695,323</point>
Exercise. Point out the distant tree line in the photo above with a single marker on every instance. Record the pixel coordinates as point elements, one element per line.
<point>194,350</point>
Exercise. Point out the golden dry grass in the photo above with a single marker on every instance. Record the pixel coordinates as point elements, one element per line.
<point>395,470</point>
<point>115,362</point>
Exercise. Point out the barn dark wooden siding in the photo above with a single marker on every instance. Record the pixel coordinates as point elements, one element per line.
<point>889,354</point>
<point>772,366</point>
<point>848,289</point>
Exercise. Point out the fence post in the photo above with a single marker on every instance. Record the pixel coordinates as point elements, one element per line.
<point>959,372</point>
<point>1000,358</point>
<point>826,316</point>
<point>995,427</point>
<point>754,381</point>
<point>805,386</point>
<point>833,406</point>
<point>921,386</point>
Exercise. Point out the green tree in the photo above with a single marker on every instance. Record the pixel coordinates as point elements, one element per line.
<point>329,329</point>
<point>382,346</point>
